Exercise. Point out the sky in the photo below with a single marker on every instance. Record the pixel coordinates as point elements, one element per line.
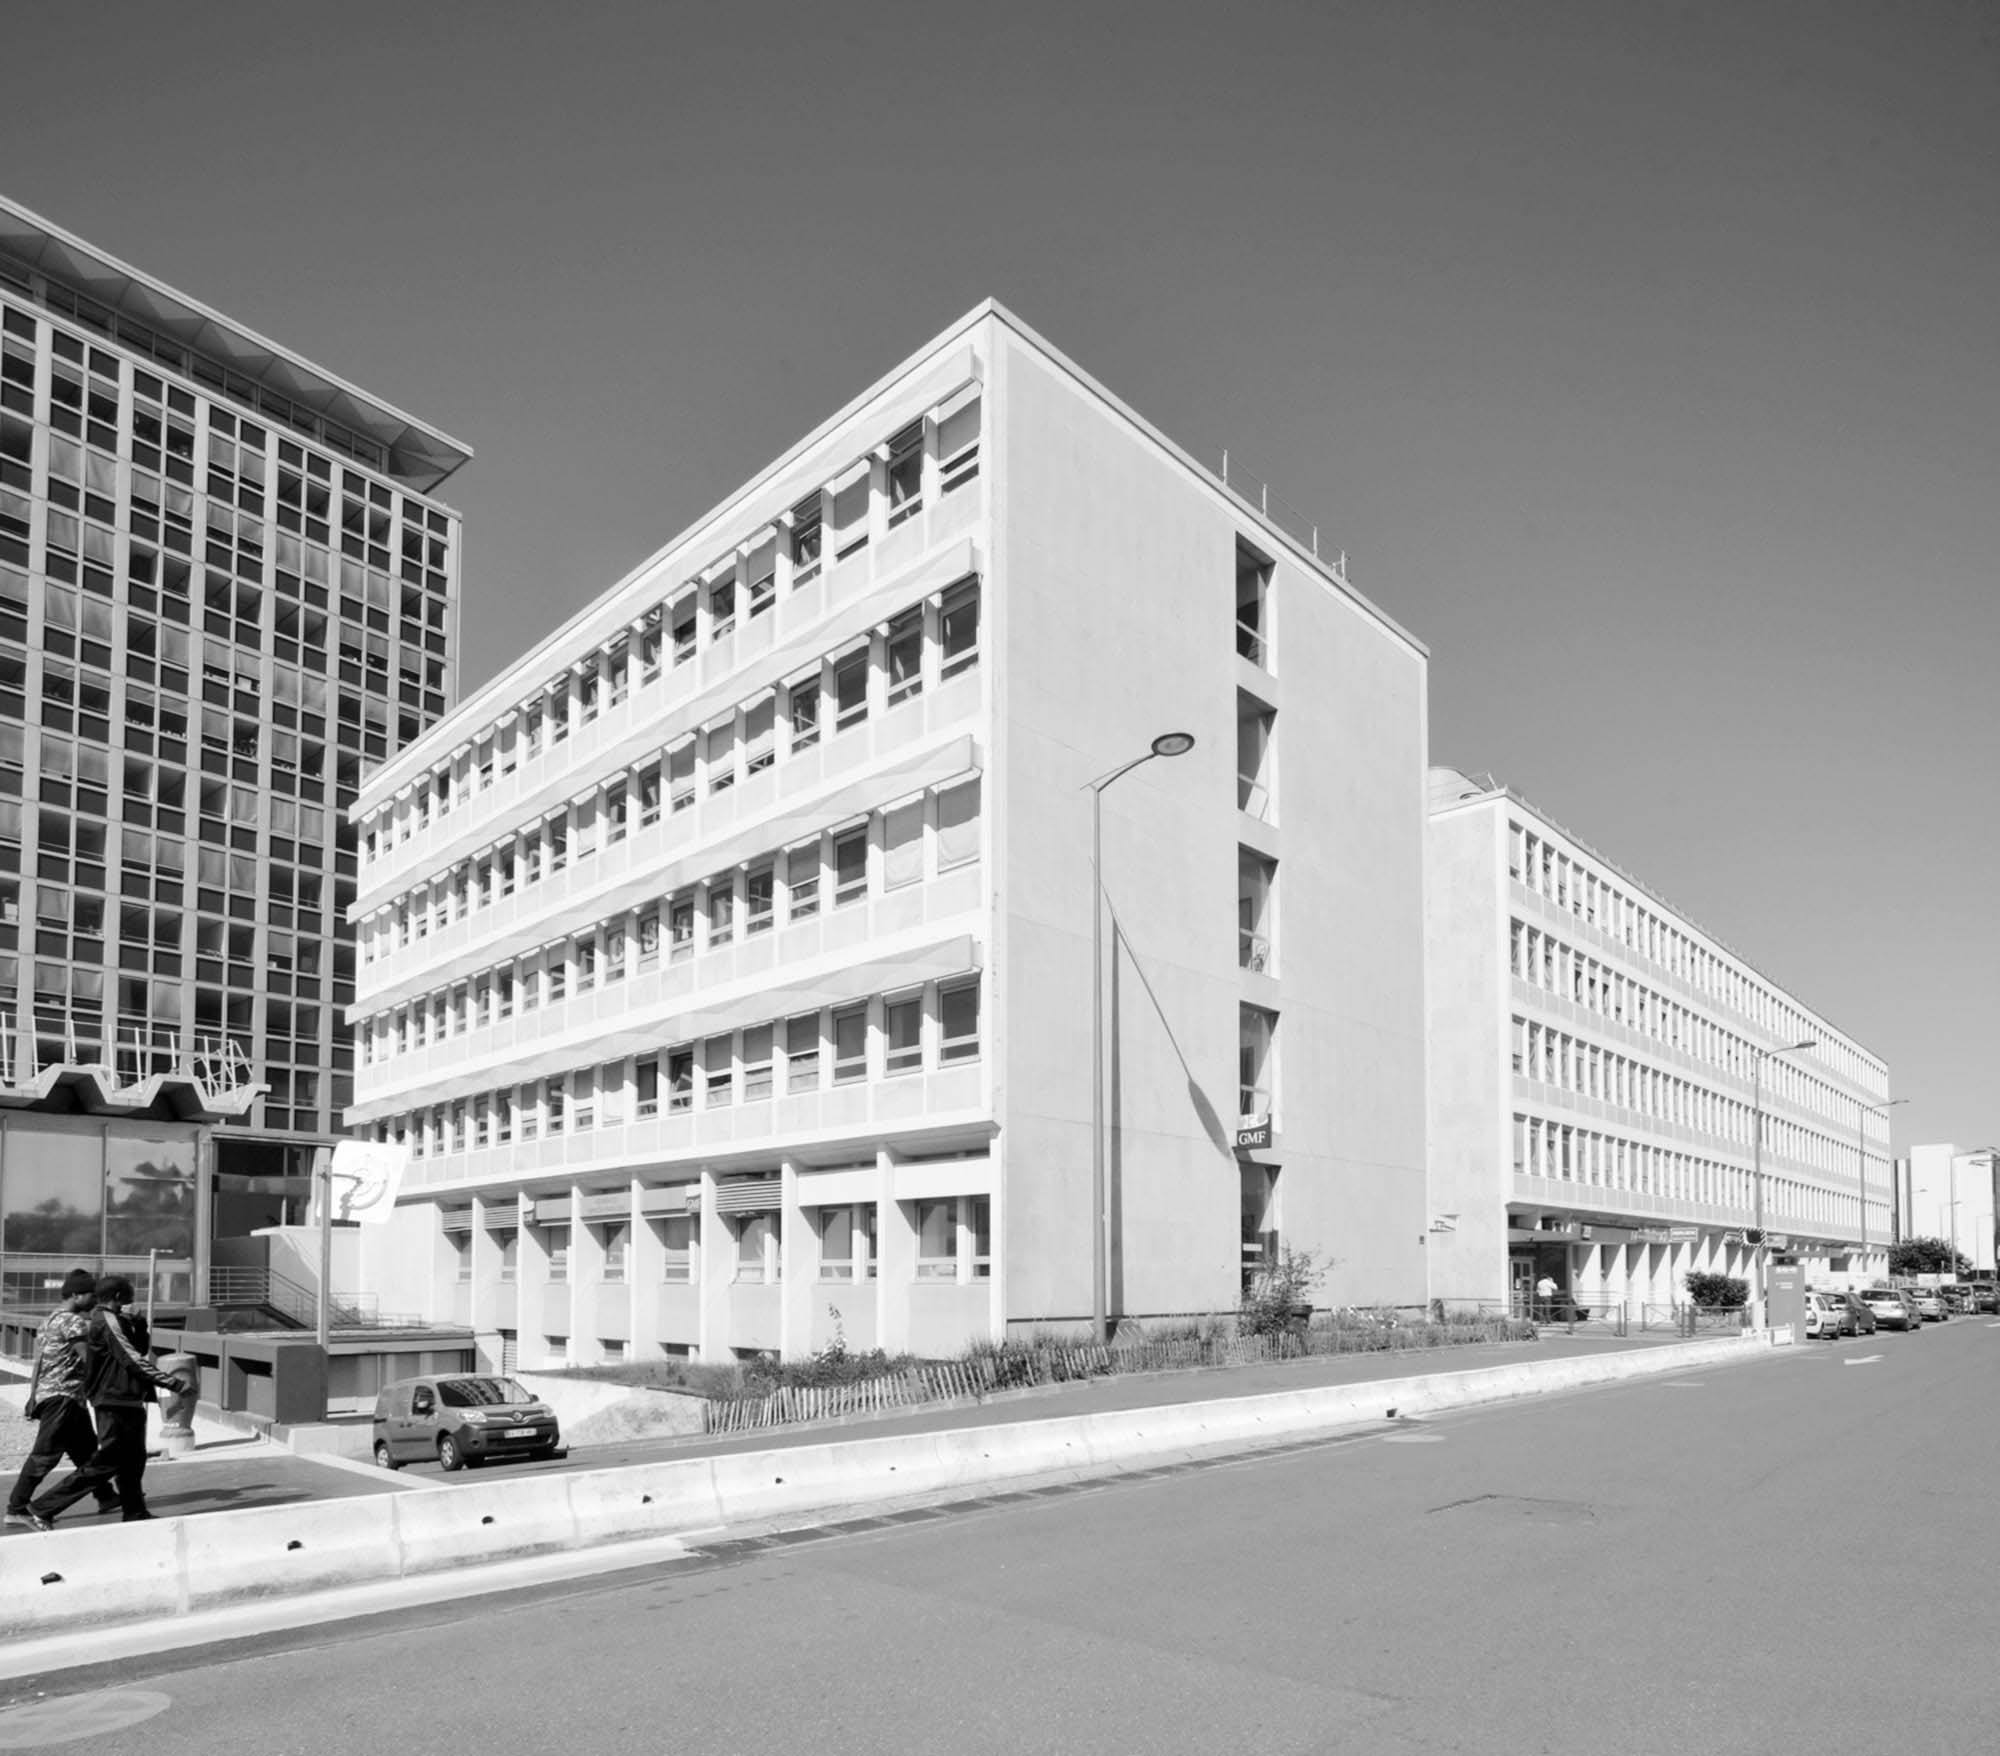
<point>1643,358</point>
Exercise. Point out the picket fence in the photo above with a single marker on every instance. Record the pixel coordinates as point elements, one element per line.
<point>1016,1368</point>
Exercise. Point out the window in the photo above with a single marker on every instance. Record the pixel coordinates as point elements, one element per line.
<point>557,1235</point>
<point>802,710</point>
<point>958,825</point>
<point>680,926</point>
<point>760,571</point>
<point>680,776</point>
<point>719,747</point>
<point>847,1243</point>
<point>850,865</point>
<point>937,1239</point>
<point>680,1079</point>
<point>722,606</point>
<point>722,909</point>
<point>979,1216</point>
<point>958,447</point>
<point>906,473</point>
<point>759,740</point>
<point>958,629</point>
<point>680,1236</point>
<point>757,1063</point>
<point>616,1239</point>
<point>903,845</point>
<point>903,1035</point>
<point>903,653</point>
<point>759,892</point>
<point>646,1088</point>
<point>802,881</point>
<point>757,1248</point>
<point>510,1254</point>
<point>850,689</point>
<point>850,515</point>
<point>850,1044</point>
<point>802,1052</point>
<point>718,1072</point>
<point>958,1021</point>
<point>805,541</point>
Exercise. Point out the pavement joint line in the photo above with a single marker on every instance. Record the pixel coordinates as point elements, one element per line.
<point>388,1478</point>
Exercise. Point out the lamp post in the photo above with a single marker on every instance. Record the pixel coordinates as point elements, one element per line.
<point>1757,1059</point>
<point>1861,1144</point>
<point>1166,744</point>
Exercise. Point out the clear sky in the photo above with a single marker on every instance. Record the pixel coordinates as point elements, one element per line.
<point>1645,358</point>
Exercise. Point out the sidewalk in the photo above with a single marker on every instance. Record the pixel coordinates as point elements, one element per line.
<point>230,1470</point>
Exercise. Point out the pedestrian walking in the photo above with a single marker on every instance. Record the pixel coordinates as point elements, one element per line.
<point>123,1382</point>
<point>1545,1291</point>
<point>56,1397</point>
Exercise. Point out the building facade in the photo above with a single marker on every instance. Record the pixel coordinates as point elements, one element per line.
<point>726,962</point>
<point>1950,1194</point>
<point>227,586</point>
<point>1597,1066</point>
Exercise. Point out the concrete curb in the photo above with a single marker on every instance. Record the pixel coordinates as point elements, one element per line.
<point>176,1567</point>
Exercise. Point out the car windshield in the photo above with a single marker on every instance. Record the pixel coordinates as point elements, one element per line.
<point>479,1392</point>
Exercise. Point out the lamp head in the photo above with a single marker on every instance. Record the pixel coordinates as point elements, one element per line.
<point>1173,743</point>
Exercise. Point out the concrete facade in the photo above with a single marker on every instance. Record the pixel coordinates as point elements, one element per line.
<point>1950,1194</point>
<point>1594,1063</point>
<point>726,962</point>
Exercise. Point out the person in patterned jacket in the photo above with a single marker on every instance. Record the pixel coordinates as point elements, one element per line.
<point>121,1385</point>
<point>56,1396</point>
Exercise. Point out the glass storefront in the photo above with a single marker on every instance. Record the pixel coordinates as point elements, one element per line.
<point>108,1196</point>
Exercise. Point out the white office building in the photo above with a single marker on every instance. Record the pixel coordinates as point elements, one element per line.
<point>1598,1065</point>
<point>726,961</point>
<point>1949,1194</point>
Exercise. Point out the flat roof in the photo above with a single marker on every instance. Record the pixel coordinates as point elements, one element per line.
<point>418,452</point>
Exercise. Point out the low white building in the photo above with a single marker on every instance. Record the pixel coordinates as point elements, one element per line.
<point>1597,1066</point>
<point>1950,1195</point>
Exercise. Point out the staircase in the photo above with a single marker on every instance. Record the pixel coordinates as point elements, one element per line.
<point>284,1303</point>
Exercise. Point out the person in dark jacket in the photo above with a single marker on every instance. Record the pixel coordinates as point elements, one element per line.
<point>123,1381</point>
<point>56,1397</point>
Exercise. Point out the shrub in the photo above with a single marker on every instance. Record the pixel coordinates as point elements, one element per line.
<point>1279,1296</point>
<point>1717,1292</point>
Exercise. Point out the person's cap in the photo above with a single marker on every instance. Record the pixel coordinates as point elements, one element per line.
<point>77,1282</point>
<point>113,1286</point>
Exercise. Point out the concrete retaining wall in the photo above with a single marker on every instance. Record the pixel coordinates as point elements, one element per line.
<point>119,1573</point>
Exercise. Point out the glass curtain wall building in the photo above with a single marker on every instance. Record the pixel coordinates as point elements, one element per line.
<point>227,588</point>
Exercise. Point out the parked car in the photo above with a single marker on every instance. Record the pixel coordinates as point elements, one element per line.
<point>1859,1315</point>
<point>1892,1310</point>
<point>1957,1299</point>
<point>459,1419</point>
<point>1985,1296</point>
<point>1822,1318</point>
<point>1930,1307</point>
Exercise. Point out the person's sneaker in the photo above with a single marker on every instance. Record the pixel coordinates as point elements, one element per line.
<point>38,1520</point>
<point>19,1520</point>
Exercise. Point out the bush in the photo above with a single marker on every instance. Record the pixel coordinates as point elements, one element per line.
<point>1717,1292</point>
<point>1279,1297</point>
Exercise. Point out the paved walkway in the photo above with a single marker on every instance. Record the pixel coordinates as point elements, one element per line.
<point>228,1471</point>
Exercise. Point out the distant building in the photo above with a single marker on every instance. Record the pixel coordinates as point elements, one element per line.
<point>226,585</point>
<point>1950,1195</point>
<point>1593,1057</point>
<point>726,960</point>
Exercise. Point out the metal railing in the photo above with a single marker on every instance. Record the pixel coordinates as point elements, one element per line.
<point>1252,488</point>
<point>298,1304</point>
<point>1686,1319</point>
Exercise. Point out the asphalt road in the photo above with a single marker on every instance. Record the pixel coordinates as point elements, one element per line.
<point>1792,1555</point>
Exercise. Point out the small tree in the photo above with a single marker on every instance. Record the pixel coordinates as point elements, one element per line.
<point>1928,1256</point>
<point>1280,1295</point>
<point>1717,1292</point>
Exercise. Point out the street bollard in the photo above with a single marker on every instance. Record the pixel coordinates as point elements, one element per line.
<point>177,1406</point>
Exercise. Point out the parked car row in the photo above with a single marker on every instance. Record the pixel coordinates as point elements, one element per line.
<point>1831,1313</point>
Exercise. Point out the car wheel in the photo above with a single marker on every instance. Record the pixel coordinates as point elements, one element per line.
<point>449,1455</point>
<point>382,1456</point>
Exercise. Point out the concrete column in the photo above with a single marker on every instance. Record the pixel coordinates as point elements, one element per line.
<point>799,1266</point>
<point>645,1273</point>
<point>717,1270</point>
<point>586,1273</point>
<point>896,1272</point>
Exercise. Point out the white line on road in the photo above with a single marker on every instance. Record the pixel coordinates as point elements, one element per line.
<point>1861,1360</point>
<point>1684,1384</point>
<point>1413,1439</point>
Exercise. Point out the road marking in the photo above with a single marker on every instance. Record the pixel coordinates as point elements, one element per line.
<point>1413,1439</point>
<point>1861,1360</point>
<point>1684,1384</point>
<point>1993,1326</point>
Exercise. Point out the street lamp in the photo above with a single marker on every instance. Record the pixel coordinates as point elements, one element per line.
<point>1166,744</point>
<point>1757,1059</point>
<point>1861,1144</point>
